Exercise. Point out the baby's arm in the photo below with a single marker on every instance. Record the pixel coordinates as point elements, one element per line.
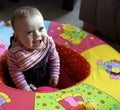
<point>15,73</point>
<point>54,64</point>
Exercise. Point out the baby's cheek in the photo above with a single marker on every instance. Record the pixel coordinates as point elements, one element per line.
<point>30,43</point>
<point>45,38</point>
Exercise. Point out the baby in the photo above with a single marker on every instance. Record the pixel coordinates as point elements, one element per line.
<point>32,57</point>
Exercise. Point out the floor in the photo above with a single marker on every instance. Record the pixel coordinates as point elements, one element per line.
<point>51,10</point>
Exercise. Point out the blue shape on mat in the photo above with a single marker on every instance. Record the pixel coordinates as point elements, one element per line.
<point>5,34</point>
<point>47,23</point>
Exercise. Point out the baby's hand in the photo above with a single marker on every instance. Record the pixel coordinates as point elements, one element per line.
<point>29,90</point>
<point>53,81</point>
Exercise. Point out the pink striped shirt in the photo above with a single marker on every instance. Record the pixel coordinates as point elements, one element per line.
<point>19,60</point>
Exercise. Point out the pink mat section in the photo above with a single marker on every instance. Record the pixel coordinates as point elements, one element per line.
<point>21,100</point>
<point>73,37</point>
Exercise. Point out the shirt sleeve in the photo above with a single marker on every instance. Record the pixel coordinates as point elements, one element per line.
<point>15,73</point>
<point>54,60</point>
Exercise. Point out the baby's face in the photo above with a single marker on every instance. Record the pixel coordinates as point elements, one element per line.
<point>31,32</point>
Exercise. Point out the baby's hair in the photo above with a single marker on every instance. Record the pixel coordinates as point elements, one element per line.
<point>23,12</point>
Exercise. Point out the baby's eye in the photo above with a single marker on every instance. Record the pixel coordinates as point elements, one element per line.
<point>30,33</point>
<point>41,28</point>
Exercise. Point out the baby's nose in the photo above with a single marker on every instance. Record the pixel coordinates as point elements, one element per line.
<point>38,34</point>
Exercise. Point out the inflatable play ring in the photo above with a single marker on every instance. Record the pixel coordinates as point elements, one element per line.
<point>99,70</point>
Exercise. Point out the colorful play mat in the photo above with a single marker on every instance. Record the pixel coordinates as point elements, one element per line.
<point>90,70</point>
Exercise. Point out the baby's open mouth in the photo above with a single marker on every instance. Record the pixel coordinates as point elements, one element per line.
<point>37,42</point>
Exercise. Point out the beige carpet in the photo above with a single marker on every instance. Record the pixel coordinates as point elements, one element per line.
<point>51,10</point>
